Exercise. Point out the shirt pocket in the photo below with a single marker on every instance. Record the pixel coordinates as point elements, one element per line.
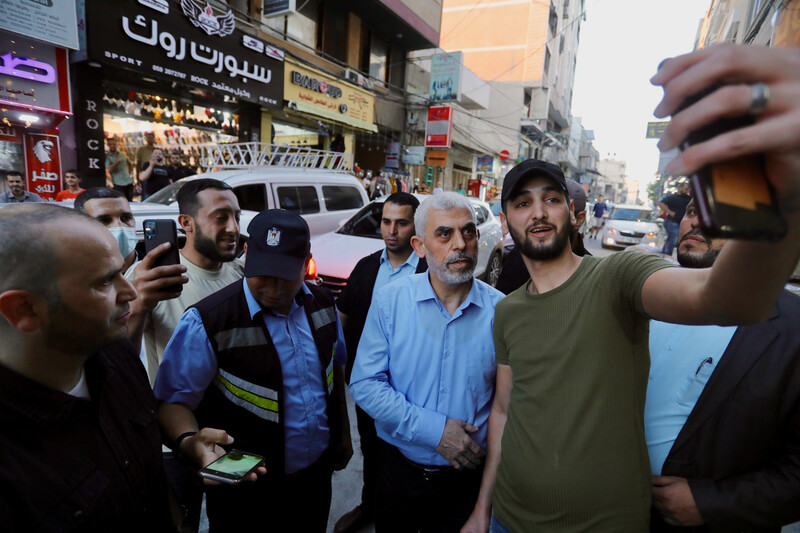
<point>689,391</point>
<point>482,370</point>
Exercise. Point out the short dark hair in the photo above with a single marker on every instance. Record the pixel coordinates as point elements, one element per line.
<point>72,171</point>
<point>94,193</point>
<point>404,198</point>
<point>188,204</point>
<point>13,173</point>
<point>27,252</point>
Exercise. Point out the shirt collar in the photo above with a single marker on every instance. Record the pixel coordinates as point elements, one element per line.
<point>413,259</point>
<point>425,292</point>
<point>303,295</point>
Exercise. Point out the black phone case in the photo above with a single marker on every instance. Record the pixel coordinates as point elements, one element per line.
<point>166,231</point>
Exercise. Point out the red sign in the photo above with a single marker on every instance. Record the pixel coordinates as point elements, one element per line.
<point>439,129</point>
<point>42,165</point>
<point>504,155</point>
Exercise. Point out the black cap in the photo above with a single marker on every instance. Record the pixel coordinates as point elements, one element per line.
<point>278,244</point>
<point>577,195</point>
<point>528,169</point>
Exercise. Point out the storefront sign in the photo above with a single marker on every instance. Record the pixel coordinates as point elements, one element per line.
<point>273,8</point>
<point>193,46</point>
<point>392,155</point>
<point>329,96</point>
<point>33,75</point>
<point>485,164</point>
<point>42,165</point>
<point>446,77</point>
<point>436,158</point>
<point>414,155</point>
<point>439,127</point>
<point>89,126</point>
<point>51,21</point>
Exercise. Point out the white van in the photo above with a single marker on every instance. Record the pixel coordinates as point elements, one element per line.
<point>315,184</point>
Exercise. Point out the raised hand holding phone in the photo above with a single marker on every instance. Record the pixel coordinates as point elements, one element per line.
<point>204,448</point>
<point>775,131</point>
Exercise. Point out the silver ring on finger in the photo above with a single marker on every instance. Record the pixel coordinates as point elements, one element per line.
<point>759,98</point>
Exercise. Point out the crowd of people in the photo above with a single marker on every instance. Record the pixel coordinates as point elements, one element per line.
<point>535,411</point>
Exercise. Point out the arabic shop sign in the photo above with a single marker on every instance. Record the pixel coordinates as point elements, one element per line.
<point>29,74</point>
<point>311,87</point>
<point>446,77</point>
<point>191,44</point>
<point>50,21</point>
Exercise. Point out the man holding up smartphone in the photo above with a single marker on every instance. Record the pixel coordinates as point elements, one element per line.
<point>262,360</point>
<point>566,447</point>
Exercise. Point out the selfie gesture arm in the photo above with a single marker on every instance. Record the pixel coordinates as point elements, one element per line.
<point>748,276</point>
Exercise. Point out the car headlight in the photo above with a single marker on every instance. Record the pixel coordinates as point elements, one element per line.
<point>612,231</point>
<point>651,235</point>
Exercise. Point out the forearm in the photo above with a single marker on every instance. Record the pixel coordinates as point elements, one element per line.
<point>144,175</point>
<point>497,424</point>
<point>748,277</point>
<point>175,420</point>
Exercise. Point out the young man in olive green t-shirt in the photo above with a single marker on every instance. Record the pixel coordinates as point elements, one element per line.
<point>566,447</point>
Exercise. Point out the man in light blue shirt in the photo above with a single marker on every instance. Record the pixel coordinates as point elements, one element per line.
<point>263,360</point>
<point>722,414</point>
<point>396,261</point>
<point>425,373</point>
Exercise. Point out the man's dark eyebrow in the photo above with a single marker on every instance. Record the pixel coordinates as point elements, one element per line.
<point>546,188</point>
<point>111,274</point>
<point>470,225</point>
<point>440,229</point>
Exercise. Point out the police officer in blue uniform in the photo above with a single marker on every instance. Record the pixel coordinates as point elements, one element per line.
<point>262,362</point>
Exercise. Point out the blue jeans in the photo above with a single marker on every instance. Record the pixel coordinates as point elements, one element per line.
<point>497,527</point>
<point>672,229</point>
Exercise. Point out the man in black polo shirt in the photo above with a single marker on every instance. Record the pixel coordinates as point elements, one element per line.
<point>674,205</point>
<point>154,174</point>
<point>81,448</point>
<point>372,272</point>
<point>176,169</point>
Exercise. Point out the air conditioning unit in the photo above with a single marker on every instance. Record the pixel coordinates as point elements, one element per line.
<point>356,77</point>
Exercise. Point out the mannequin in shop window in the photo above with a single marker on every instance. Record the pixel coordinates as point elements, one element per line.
<point>154,174</point>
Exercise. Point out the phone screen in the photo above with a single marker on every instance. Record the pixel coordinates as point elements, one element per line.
<point>234,464</point>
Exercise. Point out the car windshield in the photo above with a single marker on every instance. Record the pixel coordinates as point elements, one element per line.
<point>167,195</point>
<point>637,215</point>
<point>365,223</point>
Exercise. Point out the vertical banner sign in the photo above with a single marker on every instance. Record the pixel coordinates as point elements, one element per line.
<point>439,127</point>
<point>446,77</point>
<point>42,165</point>
<point>89,126</point>
<point>787,25</point>
<point>392,155</point>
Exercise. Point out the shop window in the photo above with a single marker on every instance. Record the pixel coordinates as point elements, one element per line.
<point>334,26</point>
<point>302,24</point>
<point>252,197</point>
<point>300,200</point>
<point>378,54</point>
<point>339,198</point>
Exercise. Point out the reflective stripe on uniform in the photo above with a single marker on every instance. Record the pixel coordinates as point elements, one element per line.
<point>240,338</point>
<point>260,401</point>
<point>329,376</point>
<point>323,317</point>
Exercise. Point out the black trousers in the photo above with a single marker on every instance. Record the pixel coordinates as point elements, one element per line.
<point>411,498</point>
<point>127,190</point>
<point>297,502</point>
<point>369,449</point>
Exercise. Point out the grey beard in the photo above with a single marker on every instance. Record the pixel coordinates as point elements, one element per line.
<point>440,270</point>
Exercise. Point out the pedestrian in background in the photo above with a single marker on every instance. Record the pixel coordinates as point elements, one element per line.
<point>16,190</point>
<point>117,166</point>
<point>598,210</point>
<point>154,174</point>
<point>674,207</point>
<point>73,182</point>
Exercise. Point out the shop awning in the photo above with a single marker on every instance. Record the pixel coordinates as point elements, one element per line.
<point>332,115</point>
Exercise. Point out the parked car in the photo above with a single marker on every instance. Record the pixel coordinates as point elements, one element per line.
<point>336,253</point>
<point>322,197</point>
<point>627,225</point>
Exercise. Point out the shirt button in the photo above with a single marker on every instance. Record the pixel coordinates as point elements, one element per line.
<point>444,390</point>
<point>447,354</point>
<point>126,463</point>
<point>78,515</point>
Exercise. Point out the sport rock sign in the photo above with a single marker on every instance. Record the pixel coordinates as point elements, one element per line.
<point>204,18</point>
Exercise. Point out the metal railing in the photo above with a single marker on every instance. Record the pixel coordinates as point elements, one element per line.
<point>254,154</point>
